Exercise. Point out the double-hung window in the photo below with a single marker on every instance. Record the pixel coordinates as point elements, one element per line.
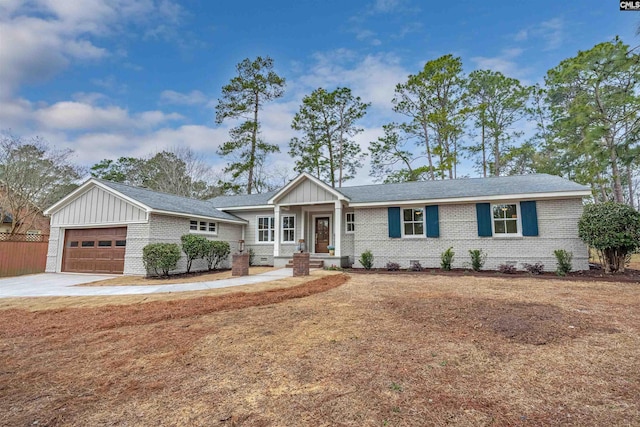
<point>350,222</point>
<point>265,229</point>
<point>288,228</point>
<point>505,219</point>
<point>413,222</point>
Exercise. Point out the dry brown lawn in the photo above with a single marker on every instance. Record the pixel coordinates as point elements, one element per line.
<point>375,350</point>
<point>204,277</point>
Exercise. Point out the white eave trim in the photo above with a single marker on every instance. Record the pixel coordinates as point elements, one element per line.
<point>208,218</point>
<point>86,186</point>
<point>247,208</point>
<point>451,200</point>
<point>284,190</point>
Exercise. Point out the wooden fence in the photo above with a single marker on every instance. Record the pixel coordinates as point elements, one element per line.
<point>23,254</point>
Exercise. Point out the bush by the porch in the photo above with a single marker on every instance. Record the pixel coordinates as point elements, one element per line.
<point>216,253</point>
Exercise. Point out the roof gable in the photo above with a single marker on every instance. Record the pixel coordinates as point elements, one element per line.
<point>151,201</point>
<point>306,189</point>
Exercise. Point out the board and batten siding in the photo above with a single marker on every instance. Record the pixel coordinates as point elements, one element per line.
<point>306,192</point>
<point>97,207</point>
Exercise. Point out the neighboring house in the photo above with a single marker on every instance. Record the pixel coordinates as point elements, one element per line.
<point>515,219</point>
<point>35,225</point>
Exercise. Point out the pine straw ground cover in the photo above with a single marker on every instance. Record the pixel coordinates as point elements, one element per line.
<point>374,351</point>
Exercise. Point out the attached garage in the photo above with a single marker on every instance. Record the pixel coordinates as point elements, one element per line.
<point>94,250</point>
<point>102,227</point>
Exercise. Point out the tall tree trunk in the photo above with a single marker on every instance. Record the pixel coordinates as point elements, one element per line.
<point>484,152</point>
<point>455,158</point>
<point>340,153</point>
<point>332,169</point>
<point>428,147</point>
<point>617,183</point>
<point>254,141</point>
<point>630,185</point>
<point>496,156</point>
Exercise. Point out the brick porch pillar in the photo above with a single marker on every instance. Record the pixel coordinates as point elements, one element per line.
<point>300,264</point>
<point>240,265</point>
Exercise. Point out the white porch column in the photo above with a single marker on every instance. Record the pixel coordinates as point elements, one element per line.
<point>301,221</point>
<point>337,228</point>
<point>276,233</point>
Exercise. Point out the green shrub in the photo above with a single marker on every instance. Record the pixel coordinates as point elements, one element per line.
<point>252,257</point>
<point>613,230</point>
<point>478,258</point>
<point>366,259</point>
<point>160,258</point>
<point>217,252</point>
<point>446,259</point>
<point>563,261</point>
<point>194,247</point>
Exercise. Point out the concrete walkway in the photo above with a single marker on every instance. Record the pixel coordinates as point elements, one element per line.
<point>61,284</point>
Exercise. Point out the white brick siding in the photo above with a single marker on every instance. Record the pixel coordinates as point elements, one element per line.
<point>169,229</point>
<point>557,224</point>
<point>52,251</point>
<point>159,229</point>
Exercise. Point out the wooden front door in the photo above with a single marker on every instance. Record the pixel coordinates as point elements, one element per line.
<point>322,235</point>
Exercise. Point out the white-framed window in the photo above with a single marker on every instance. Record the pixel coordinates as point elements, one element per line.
<point>197,226</point>
<point>506,219</point>
<point>413,222</point>
<point>350,222</point>
<point>288,228</point>
<point>265,229</point>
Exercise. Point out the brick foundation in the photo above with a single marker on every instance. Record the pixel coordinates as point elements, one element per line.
<point>300,264</point>
<point>240,265</point>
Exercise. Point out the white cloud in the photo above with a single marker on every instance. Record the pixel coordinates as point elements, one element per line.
<point>74,116</point>
<point>504,63</point>
<point>42,37</point>
<point>372,77</point>
<point>93,147</point>
<point>551,32</point>
<point>195,97</point>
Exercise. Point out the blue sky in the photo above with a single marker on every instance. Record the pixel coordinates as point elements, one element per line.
<point>111,78</point>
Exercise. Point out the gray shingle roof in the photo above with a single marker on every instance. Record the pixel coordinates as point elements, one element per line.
<point>243,200</point>
<point>457,188</point>
<point>425,190</point>
<point>170,202</point>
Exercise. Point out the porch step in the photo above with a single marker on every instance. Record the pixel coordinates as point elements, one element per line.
<point>314,263</point>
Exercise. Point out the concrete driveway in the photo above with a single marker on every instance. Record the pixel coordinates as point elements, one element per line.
<point>61,284</point>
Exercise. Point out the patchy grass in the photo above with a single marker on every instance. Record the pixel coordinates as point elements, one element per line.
<point>378,350</point>
<point>50,303</point>
<point>192,278</point>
